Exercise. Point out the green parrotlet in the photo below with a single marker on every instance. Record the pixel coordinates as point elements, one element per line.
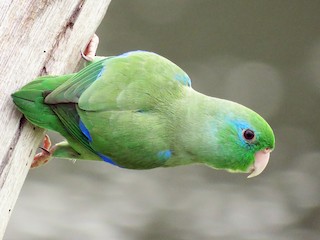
<point>139,111</point>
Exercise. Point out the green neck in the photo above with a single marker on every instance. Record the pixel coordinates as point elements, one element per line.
<point>192,141</point>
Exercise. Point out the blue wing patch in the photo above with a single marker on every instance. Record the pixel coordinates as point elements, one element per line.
<point>85,130</point>
<point>184,79</point>
<point>101,72</point>
<point>106,159</point>
<point>164,155</point>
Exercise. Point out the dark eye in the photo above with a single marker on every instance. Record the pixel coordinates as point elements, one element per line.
<point>248,134</point>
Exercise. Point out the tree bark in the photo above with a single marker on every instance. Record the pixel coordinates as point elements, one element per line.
<point>37,37</point>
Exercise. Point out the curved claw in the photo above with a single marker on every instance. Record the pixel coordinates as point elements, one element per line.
<point>91,49</point>
<point>44,156</point>
<point>84,57</point>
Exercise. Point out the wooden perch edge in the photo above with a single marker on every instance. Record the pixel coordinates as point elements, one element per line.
<point>37,37</point>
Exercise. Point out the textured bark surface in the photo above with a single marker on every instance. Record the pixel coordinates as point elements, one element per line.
<point>37,37</point>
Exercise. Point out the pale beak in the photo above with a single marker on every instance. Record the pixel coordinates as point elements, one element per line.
<point>261,160</point>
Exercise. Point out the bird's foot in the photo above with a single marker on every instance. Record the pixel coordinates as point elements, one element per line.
<point>44,156</point>
<point>91,49</point>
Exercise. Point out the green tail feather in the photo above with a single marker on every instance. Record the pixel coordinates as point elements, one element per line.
<point>62,118</point>
<point>30,101</point>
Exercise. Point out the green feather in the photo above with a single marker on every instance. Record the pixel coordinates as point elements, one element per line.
<point>61,118</point>
<point>141,112</point>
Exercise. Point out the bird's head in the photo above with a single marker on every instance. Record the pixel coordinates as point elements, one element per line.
<point>243,140</point>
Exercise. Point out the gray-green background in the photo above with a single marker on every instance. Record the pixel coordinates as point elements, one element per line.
<point>263,54</point>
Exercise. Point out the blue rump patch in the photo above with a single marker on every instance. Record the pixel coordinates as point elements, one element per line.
<point>164,155</point>
<point>127,54</point>
<point>106,159</point>
<point>85,130</point>
<point>184,79</point>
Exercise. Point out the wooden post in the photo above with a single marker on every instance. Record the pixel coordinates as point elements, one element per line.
<point>37,37</point>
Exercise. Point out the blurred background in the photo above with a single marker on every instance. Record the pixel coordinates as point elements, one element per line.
<point>263,54</point>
